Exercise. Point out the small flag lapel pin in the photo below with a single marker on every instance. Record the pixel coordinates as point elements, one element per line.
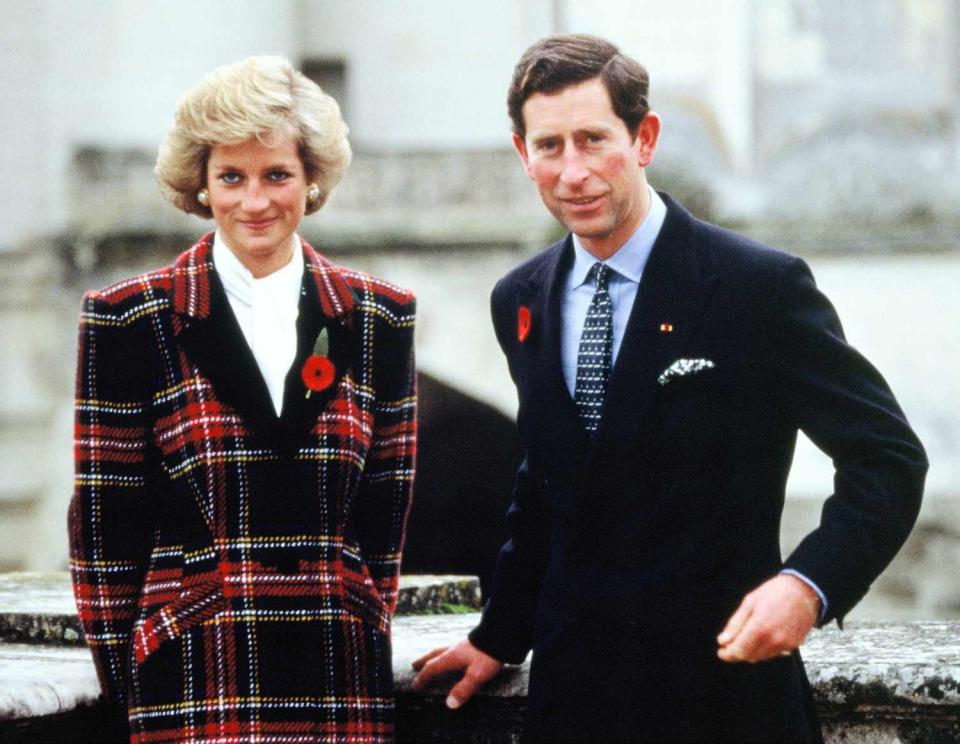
<point>666,328</point>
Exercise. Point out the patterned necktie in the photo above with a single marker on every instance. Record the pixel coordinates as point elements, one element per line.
<point>596,351</point>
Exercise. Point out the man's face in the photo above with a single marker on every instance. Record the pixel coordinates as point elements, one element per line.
<point>587,166</point>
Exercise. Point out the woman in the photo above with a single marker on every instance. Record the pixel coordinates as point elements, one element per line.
<point>245,436</point>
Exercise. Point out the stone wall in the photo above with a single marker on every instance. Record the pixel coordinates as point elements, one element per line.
<point>448,199</point>
<point>873,682</point>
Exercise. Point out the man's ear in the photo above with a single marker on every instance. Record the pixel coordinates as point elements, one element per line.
<point>521,148</point>
<point>648,135</point>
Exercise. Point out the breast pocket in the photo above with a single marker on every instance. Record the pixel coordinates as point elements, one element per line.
<point>344,426</point>
<point>695,419</point>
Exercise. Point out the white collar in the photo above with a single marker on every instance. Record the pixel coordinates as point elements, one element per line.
<point>283,285</point>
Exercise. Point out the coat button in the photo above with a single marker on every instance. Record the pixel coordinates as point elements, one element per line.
<point>286,562</point>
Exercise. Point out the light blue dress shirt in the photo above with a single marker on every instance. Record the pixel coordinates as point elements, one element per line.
<point>627,265</point>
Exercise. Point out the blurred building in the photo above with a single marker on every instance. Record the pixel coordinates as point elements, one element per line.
<point>823,127</point>
<point>773,109</point>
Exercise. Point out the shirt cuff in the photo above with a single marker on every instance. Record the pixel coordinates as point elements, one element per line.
<point>808,582</point>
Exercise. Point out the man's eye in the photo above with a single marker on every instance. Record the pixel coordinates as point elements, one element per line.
<point>230,178</point>
<point>278,175</point>
<point>547,146</point>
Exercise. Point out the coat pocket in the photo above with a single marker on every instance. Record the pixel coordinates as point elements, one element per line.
<point>199,601</point>
<point>358,602</point>
<point>360,596</point>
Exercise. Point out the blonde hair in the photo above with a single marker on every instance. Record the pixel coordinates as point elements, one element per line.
<point>257,97</point>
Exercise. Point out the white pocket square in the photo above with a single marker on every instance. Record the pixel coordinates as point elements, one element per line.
<point>684,368</point>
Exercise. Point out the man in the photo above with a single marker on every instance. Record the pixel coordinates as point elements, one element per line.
<point>664,367</point>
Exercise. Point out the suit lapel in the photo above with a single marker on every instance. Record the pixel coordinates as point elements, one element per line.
<point>676,285</point>
<point>555,425</point>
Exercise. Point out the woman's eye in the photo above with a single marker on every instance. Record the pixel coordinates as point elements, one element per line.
<point>230,178</point>
<point>278,175</point>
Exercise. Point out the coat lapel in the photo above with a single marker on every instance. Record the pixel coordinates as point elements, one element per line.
<point>213,340</point>
<point>326,301</point>
<point>676,285</point>
<point>554,427</point>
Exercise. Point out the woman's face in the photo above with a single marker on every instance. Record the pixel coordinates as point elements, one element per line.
<point>258,195</point>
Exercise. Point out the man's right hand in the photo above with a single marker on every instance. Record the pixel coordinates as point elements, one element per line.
<point>477,667</point>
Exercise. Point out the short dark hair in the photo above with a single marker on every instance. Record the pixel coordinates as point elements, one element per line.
<point>556,62</point>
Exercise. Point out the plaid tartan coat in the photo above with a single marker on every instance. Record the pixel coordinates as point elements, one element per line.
<point>235,571</point>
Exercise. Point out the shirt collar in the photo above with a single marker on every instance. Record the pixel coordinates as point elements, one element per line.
<point>239,282</point>
<point>631,258</point>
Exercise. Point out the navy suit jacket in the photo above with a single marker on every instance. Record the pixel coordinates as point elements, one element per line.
<point>630,550</point>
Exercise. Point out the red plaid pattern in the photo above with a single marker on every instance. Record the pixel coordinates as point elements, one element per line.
<point>235,576</point>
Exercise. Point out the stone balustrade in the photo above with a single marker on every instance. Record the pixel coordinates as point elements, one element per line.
<point>874,682</point>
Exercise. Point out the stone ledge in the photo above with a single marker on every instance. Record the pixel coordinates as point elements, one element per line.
<point>38,607</point>
<point>41,680</point>
<point>44,680</point>
<point>442,594</point>
<point>885,664</point>
<point>868,665</point>
<point>873,682</point>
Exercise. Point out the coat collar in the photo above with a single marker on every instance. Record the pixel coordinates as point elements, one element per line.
<point>193,273</point>
<point>213,340</point>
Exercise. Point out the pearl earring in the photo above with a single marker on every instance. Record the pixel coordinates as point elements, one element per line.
<point>203,197</point>
<point>313,192</point>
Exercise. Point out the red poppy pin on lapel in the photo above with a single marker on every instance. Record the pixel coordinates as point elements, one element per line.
<point>318,371</point>
<point>666,328</point>
<point>523,323</point>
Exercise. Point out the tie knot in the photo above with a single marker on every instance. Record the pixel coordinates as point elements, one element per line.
<point>601,274</point>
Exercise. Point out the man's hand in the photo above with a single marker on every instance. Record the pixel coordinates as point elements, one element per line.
<point>477,668</point>
<point>772,620</point>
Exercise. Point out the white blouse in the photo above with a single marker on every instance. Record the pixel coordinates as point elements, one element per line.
<point>266,310</point>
